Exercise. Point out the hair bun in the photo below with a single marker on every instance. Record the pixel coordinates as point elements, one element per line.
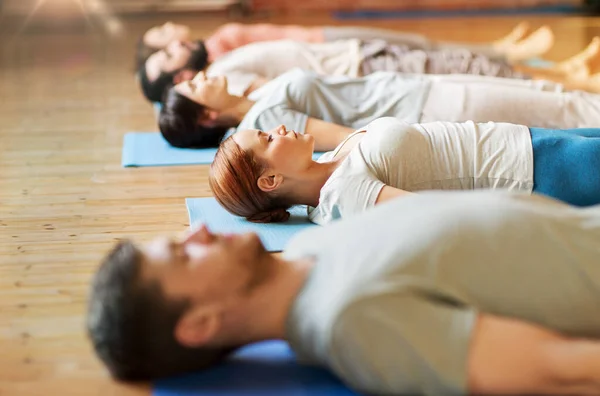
<point>272,216</point>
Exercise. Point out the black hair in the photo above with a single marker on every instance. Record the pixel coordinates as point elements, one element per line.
<point>178,123</point>
<point>131,323</point>
<point>154,90</point>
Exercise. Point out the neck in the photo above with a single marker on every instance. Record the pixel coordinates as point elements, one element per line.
<point>306,189</point>
<point>264,315</point>
<point>239,109</point>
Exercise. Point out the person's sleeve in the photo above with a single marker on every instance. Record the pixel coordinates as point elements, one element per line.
<point>358,192</point>
<point>403,344</point>
<point>274,116</point>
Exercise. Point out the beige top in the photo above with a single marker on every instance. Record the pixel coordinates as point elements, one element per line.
<point>391,300</point>
<point>432,156</point>
<point>270,59</point>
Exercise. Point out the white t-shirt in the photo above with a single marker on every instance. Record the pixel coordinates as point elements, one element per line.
<point>293,97</point>
<point>391,301</point>
<point>432,156</point>
<point>269,59</point>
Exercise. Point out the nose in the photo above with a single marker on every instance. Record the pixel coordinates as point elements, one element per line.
<point>200,235</point>
<point>281,130</point>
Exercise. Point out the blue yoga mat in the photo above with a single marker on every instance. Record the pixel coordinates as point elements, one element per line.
<point>414,14</point>
<point>262,369</point>
<point>273,235</point>
<point>150,149</point>
<point>537,62</point>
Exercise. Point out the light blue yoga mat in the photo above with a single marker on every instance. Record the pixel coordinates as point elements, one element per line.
<point>150,149</point>
<point>273,235</point>
<point>262,369</point>
<point>537,62</point>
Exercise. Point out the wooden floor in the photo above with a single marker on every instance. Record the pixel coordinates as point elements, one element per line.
<point>67,99</point>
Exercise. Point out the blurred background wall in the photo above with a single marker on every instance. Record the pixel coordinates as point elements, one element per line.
<point>72,8</point>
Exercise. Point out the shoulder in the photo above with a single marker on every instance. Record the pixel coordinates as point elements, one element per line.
<point>297,77</point>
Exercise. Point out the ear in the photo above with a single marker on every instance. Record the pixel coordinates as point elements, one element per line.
<point>212,118</point>
<point>197,327</point>
<point>211,115</point>
<point>268,182</point>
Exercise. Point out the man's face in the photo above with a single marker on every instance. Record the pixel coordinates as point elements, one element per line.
<point>161,36</point>
<point>205,267</point>
<point>170,59</point>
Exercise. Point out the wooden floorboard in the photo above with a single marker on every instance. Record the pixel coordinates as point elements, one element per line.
<point>68,98</point>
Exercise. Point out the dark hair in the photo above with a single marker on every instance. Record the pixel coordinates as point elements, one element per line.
<point>154,90</point>
<point>178,123</point>
<point>131,322</point>
<point>142,53</point>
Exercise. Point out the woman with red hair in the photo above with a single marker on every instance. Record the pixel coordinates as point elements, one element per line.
<point>259,175</point>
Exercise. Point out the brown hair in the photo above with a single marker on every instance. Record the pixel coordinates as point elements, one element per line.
<point>131,322</point>
<point>233,180</point>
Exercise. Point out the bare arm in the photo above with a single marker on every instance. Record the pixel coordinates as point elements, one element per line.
<point>256,84</point>
<point>327,135</point>
<point>234,35</point>
<point>509,356</point>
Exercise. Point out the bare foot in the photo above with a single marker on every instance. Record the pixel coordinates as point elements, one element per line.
<point>590,83</point>
<point>518,33</point>
<point>586,58</point>
<point>538,43</point>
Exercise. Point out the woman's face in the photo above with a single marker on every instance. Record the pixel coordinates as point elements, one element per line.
<point>209,92</point>
<point>286,152</point>
<point>160,37</point>
<point>174,57</point>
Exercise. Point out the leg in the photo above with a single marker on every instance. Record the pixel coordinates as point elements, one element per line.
<point>379,55</point>
<point>491,100</point>
<point>412,40</point>
<point>567,164</point>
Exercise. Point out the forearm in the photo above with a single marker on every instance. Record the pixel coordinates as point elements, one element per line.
<point>514,357</point>
<point>537,85</point>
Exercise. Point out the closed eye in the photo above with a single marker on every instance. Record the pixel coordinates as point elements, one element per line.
<point>261,134</point>
<point>192,86</point>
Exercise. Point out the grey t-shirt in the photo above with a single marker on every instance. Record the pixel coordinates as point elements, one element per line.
<point>392,299</point>
<point>298,94</point>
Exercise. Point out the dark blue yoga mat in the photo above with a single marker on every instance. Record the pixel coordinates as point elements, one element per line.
<point>262,369</point>
<point>414,14</point>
